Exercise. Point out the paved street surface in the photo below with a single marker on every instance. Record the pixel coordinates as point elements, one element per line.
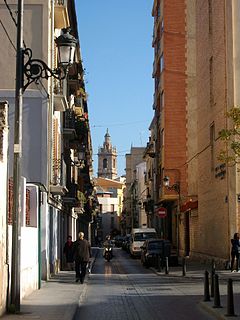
<point>124,289</point>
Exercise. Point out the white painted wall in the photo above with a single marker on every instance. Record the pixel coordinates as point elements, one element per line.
<point>29,259</point>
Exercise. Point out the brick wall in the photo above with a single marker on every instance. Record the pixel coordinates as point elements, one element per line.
<point>174,75</point>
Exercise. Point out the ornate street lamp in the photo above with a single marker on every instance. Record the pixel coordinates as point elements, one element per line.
<point>175,187</point>
<point>36,69</point>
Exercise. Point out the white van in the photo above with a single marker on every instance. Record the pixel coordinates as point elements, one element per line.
<point>138,236</point>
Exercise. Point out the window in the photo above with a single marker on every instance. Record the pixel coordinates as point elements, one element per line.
<point>162,138</point>
<point>142,236</point>
<point>210,16</point>
<point>105,163</point>
<point>211,81</point>
<point>114,163</point>
<point>100,207</point>
<point>112,208</point>
<point>162,26</point>
<point>212,139</point>
<point>162,100</point>
<point>161,62</point>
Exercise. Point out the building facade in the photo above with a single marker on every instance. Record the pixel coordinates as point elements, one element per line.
<point>110,197</point>
<point>130,207</point>
<point>56,141</point>
<point>169,72</point>
<point>196,82</point>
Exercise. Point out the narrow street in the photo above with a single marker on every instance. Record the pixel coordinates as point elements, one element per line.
<point>124,289</point>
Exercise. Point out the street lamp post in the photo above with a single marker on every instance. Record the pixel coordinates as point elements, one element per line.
<point>33,70</point>
<point>176,188</point>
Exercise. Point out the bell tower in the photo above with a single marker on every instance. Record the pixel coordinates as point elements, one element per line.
<point>107,159</point>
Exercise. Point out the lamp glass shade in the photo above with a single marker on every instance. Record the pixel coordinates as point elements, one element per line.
<point>66,44</point>
<point>166,181</point>
<point>66,55</point>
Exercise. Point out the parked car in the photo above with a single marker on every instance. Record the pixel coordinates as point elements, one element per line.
<point>126,242</point>
<point>152,249</point>
<point>118,240</point>
<point>138,236</point>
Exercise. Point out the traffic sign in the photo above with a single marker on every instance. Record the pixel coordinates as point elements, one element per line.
<point>161,212</point>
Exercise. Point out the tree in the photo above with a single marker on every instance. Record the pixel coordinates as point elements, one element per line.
<point>231,137</point>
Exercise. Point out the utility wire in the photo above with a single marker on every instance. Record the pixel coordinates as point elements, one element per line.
<point>117,124</point>
<point>8,35</point>
<point>44,89</point>
<point>14,20</point>
<point>10,12</point>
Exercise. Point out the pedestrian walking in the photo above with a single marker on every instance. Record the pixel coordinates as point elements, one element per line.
<point>235,252</point>
<point>82,254</point>
<point>68,252</point>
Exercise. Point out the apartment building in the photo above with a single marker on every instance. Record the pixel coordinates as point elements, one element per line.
<point>170,95</point>
<point>196,78</point>
<point>56,140</point>
<point>215,54</point>
<point>130,209</point>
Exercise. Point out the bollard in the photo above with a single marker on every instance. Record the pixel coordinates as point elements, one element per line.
<point>230,302</point>
<point>166,266</point>
<point>183,266</point>
<point>159,263</point>
<point>206,286</point>
<point>212,282</point>
<point>213,266</point>
<point>217,303</point>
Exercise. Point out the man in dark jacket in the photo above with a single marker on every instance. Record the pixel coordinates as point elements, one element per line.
<point>82,253</point>
<point>235,252</point>
<point>68,251</point>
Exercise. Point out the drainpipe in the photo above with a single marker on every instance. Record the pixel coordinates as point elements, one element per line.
<point>50,131</point>
<point>39,238</point>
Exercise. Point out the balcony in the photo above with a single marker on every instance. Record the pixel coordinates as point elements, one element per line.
<point>150,150</point>
<point>81,126</point>
<point>60,103</point>
<point>61,19</point>
<point>69,125</point>
<point>58,186</point>
<point>74,197</point>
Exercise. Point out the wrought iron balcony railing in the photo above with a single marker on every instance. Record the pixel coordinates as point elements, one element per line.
<point>61,2</point>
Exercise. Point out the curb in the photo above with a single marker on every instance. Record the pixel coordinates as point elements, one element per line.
<point>219,313</point>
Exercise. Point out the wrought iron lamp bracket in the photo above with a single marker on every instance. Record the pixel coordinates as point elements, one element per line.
<point>175,187</point>
<point>36,69</point>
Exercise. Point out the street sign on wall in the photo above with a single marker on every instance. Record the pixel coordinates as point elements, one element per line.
<point>161,212</point>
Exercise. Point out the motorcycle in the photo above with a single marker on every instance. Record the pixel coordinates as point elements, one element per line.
<point>108,254</point>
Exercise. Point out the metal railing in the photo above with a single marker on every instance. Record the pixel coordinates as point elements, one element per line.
<point>59,172</point>
<point>69,119</point>
<point>61,2</point>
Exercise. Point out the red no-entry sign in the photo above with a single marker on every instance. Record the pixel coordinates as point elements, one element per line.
<point>161,212</point>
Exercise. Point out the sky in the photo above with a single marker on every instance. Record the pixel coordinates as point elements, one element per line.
<point>116,48</point>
